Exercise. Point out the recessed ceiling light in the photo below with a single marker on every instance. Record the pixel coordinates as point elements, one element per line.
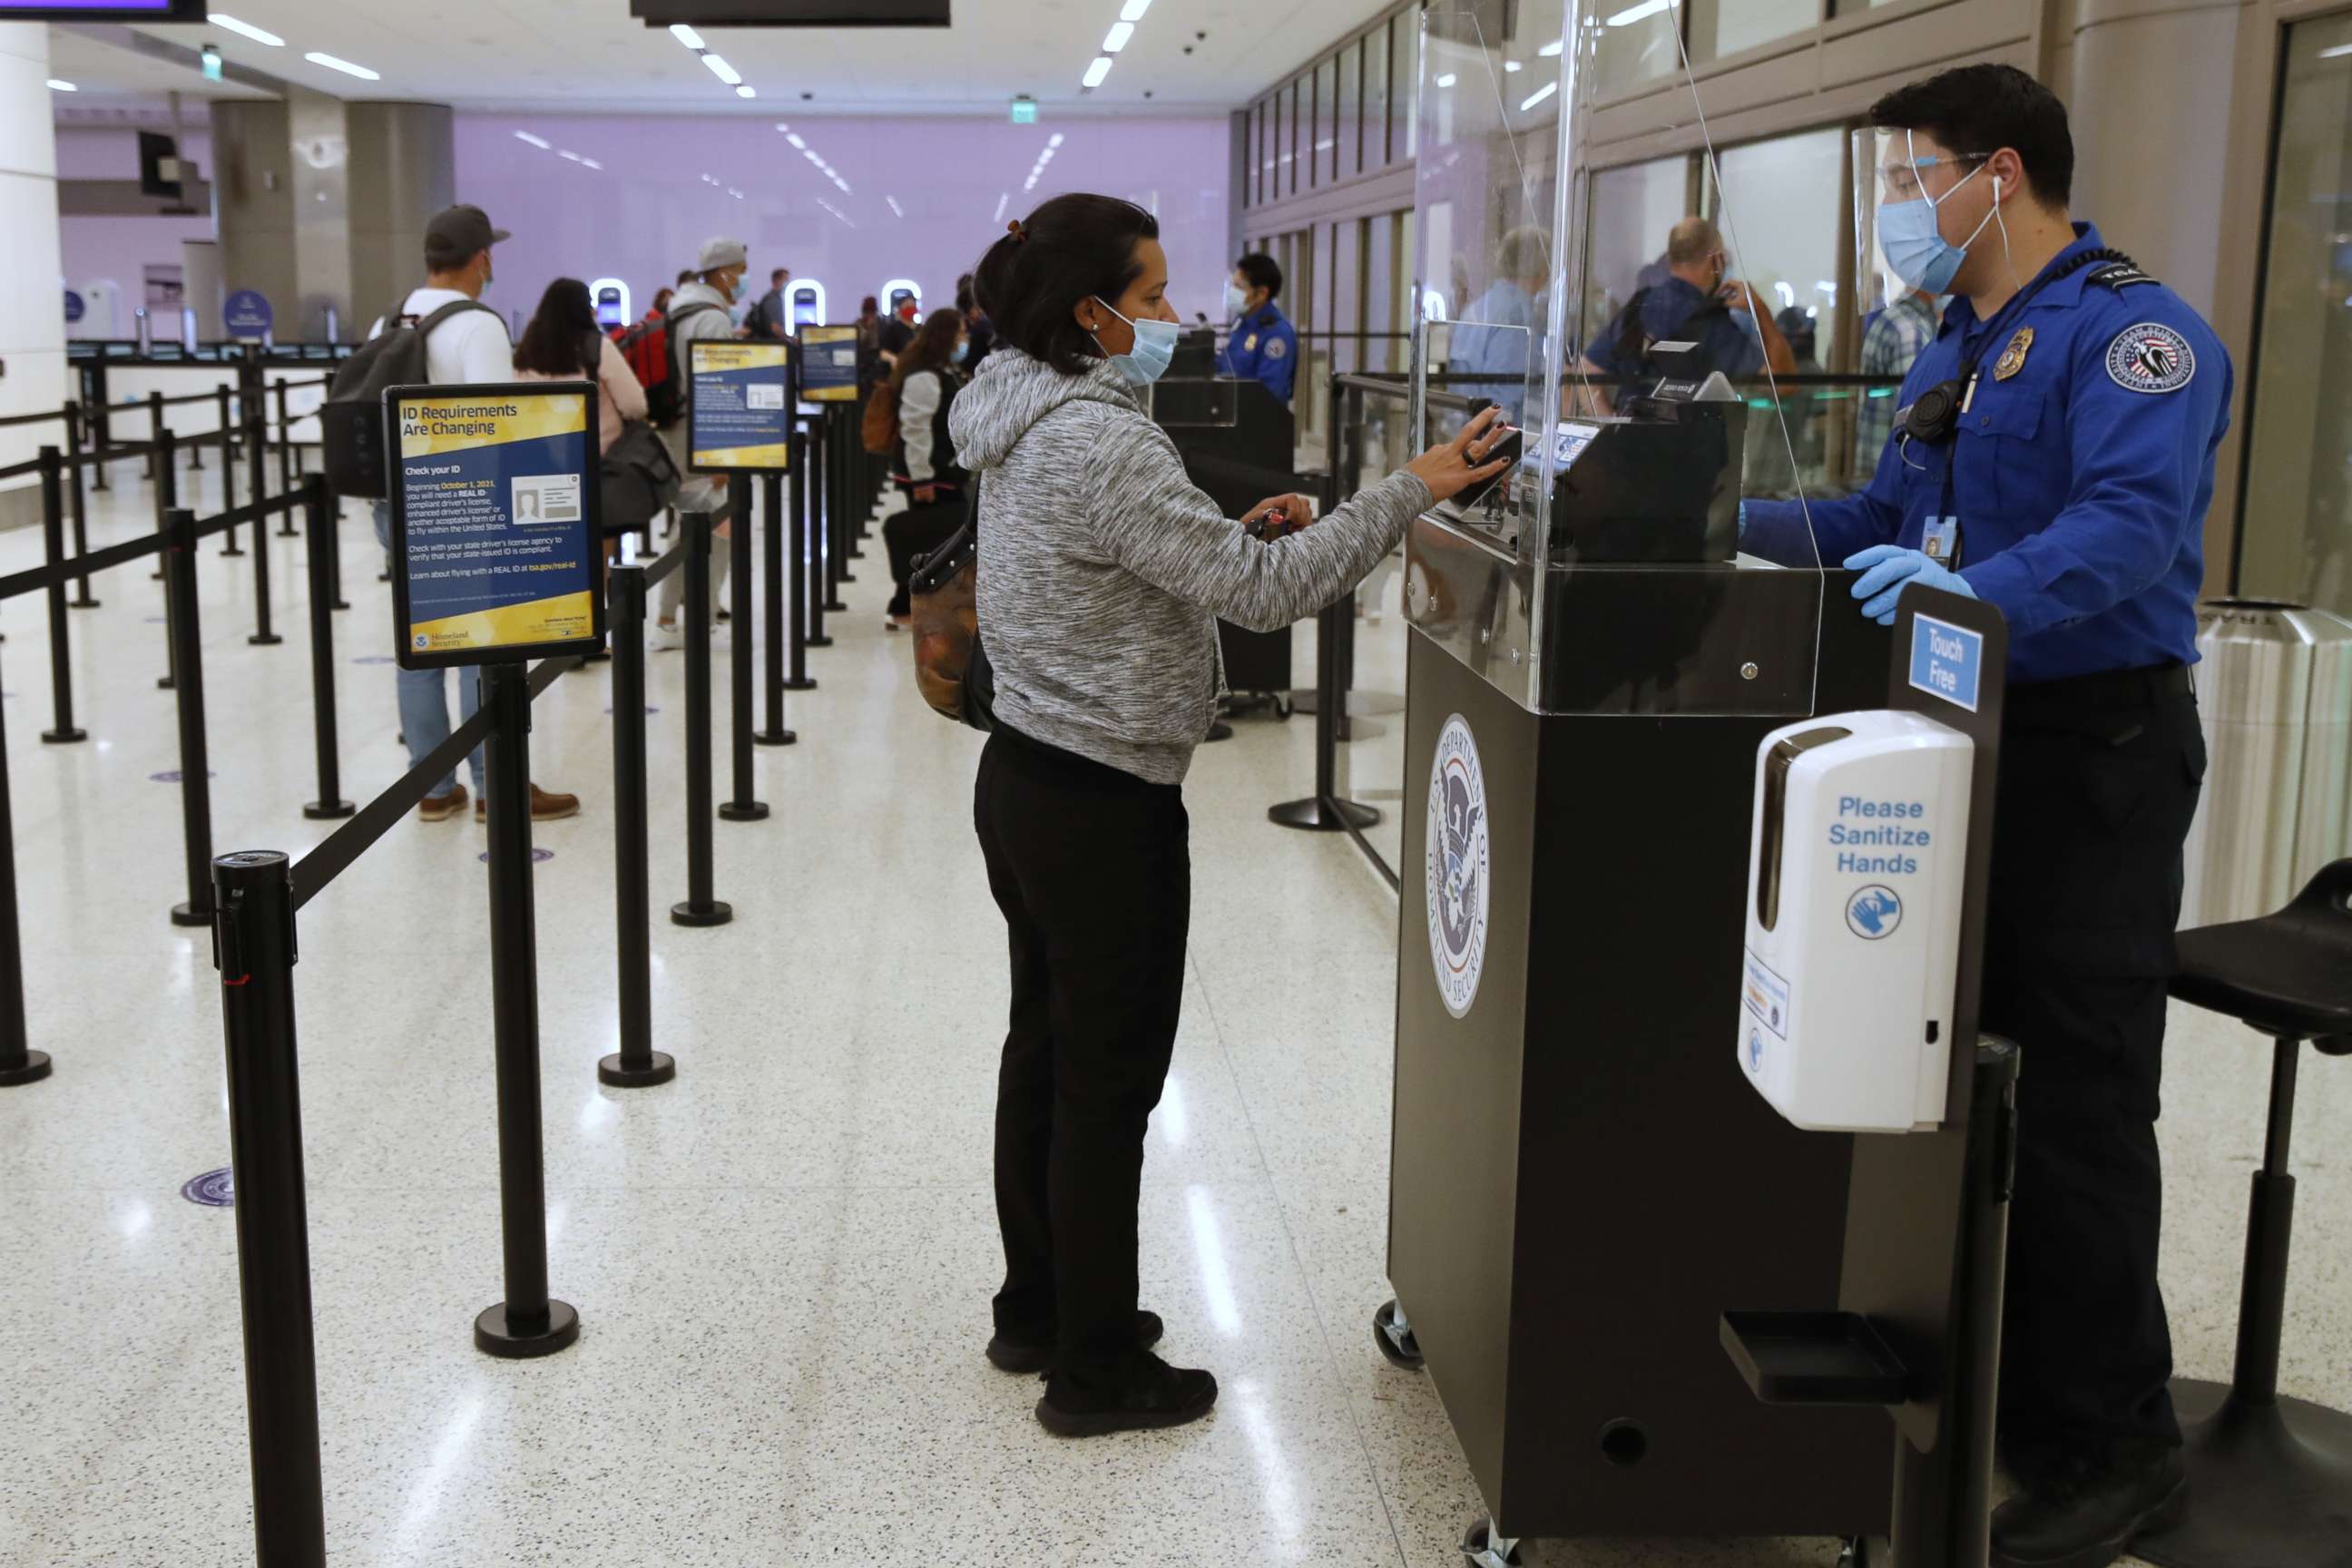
<point>686,36</point>
<point>1116,39</point>
<point>332,64</point>
<point>1055,139</point>
<point>55,85</point>
<point>541,143</point>
<point>1096,72</point>
<point>258,35</point>
<point>1446,80</point>
<point>894,207</point>
<point>567,153</point>
<point>2337,53</point>
<point>591,164</point>
<point>722,70</point>
<point>1133,10</point>
<point>1546,90</point>
<point>747,91</point>
<point>1551,51</point>
<point>795,138</point>
<point>1647,8</point>
<point>1513,66</point>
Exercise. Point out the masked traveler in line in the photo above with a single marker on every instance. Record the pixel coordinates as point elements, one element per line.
<point>1102,569</point>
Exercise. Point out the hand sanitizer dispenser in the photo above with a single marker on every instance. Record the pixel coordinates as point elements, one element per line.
<point>1855,870</point>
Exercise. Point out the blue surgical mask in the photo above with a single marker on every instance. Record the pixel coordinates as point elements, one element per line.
<point>962,351</point>
<point>1237,301</point>
<point>1915,248</point>
<point>1155,349</point>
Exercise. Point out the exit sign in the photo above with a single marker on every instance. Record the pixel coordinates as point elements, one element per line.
<point>1024,112</point>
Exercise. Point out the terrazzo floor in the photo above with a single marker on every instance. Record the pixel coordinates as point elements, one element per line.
<point>781,1262</point>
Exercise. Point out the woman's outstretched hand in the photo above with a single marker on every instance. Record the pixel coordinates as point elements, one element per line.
<point>1455,466</point>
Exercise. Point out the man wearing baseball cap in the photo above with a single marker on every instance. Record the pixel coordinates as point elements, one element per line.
<point>699,309</point>
<point>470,346</point>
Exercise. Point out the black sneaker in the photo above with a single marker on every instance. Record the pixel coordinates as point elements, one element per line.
<point>1008,1354</point>
<point>2090,1518</point>
<point>1148,1394</point>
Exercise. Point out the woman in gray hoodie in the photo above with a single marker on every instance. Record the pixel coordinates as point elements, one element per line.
<point>1102,569</point>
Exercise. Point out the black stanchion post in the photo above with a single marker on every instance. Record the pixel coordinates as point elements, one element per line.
<point>82,599</point>
<point>777,527</point>
<point>318,517</point>
<point>154,430</point>
<point>19,1063</point>
<point>196,452</point>
<point>196,779</point>
<point>637,1065</point>
<point>528,1322</point>
<point>836,515</point>
<point>254,949</point>
<point>263,637</point>
<point>798,543</point>
<point>61,729</point>
<point>286,528</point>
<point>102,422</point>
<point>227,437</point>
<point>820,585</point>
<point>167,496</point>
<point>701,907</point>
<point>742,807</point>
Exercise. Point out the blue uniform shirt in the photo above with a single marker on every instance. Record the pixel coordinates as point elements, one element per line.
<point>2080,478</point>
<point>1727,338</point>
<point>1264,347</point>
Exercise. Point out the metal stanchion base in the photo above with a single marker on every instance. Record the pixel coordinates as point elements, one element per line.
<point>272,640</point>
<point>596,656</point>
<point>32,1070</point>
<point>328,810</point>
<point>339,604</point>
<point>2267,1483</point>
<point>289,534</point>
<point>1310,817</point>
<point>232,553</point>
<point>189,915</point>
<point>686,914</point>
<point>832,607</point>
<point>496,1334</point>
<point>165,683</point>
<point>83,603</point>
<point>742,810</point>
<point>814,642</point>
<point>806,683</point>
<point>775,738</point>
<point>64,737</point>
<point>612,1071</point>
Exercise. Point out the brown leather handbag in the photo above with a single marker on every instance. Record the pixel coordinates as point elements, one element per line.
<point>951,666</point>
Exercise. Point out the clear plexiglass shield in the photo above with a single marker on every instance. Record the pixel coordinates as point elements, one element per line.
<point>1650,389</point>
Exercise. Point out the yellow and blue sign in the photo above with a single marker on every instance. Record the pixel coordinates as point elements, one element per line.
<point>739,407</point>
<point>829,364</point>
<point>495,530</point>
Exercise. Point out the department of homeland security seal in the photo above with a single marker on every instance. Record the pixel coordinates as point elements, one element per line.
<point>2151,357</point>
<point>1455,865</point>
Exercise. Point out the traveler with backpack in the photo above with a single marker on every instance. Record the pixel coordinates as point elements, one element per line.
<point>924,466</point>
<point>771,318</point>
<point>1694,303</point>
<point>440,334</point>
<point>699,309</point>
<point>1101,568</point>
<point>564,344</point>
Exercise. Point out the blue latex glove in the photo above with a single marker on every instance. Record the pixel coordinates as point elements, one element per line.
<point>1886,570</point>
<point>1743,522</point>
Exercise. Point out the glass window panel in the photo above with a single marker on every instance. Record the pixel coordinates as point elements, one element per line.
<point>1377,96</point>
<point>1635,47</point>
<point>1325,121</point>
<point>1783,230</point>
<point>1405,74</point>
<point>1633,208</point>
<point>1257,152</point>
<point>1720,27</point>
<point>1350,128</point>
<point>2297,522</point>
<point>1296,96</point>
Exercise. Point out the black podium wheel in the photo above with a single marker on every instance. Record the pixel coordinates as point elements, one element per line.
<point>1397,1345</point>
<point>1478,1549</point>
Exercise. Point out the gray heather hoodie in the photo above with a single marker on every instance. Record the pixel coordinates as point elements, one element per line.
<point>1101,564</point>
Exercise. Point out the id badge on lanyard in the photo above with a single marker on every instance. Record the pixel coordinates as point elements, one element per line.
<point>1941,541</point>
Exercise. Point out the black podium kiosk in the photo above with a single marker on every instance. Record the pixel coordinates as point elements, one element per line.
<point>1237,442</point>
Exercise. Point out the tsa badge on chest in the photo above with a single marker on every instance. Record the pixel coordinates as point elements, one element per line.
<point>2012,358</point>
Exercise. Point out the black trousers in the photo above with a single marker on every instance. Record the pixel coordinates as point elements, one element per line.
<point>1092,870</point>
<point>916,532</point>
<point>2099,778</point>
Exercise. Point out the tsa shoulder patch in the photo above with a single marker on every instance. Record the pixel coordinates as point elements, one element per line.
<point>2151,357</point>
<point>1275,348</point>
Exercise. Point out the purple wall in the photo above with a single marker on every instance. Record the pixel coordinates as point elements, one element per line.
<point>642,216</point>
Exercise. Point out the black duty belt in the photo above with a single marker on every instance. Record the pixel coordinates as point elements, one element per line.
<point>2108,689</point>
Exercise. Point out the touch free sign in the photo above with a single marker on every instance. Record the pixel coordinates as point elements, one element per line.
<point>1947,661</point>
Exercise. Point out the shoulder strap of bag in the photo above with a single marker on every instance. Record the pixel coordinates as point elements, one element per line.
<point>454,308</point>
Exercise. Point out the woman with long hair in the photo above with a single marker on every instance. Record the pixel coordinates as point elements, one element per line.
<point>1102,569</point>
<point>924,466</point>
<point>563,342</point>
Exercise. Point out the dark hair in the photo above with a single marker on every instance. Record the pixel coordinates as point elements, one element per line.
<point>1263,271</point>
<point>780,274</point>
<point>1977,110</point>
<point>933,341</point>
<point>661,300</point>
<point>565,322</point>
<point>1073,248</point>
<point>869,306</point>
<point>686,275</point>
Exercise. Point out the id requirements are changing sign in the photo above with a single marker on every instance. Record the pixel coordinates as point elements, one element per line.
<point>495,527</point>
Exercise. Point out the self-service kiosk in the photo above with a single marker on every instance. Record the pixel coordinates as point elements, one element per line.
<point>611,298</point>
<point>1583,1179</point>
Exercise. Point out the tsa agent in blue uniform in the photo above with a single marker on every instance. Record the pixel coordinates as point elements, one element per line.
<point>1264,345</point>
<point>2052,455</point>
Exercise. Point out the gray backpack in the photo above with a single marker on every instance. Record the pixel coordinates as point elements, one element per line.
<point>355,440</point>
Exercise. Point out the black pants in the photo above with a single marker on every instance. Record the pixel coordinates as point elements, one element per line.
<point>2099,780</point>
<point>1092,868</point>
<point>916,532</point>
